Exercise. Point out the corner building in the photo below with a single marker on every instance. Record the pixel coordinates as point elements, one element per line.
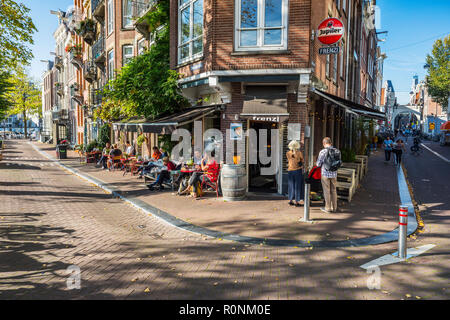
<point>259,60</point>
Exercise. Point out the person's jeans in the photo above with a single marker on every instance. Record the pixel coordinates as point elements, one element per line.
<point>387,155</point>
<point>146,169</point>
<point>103,161</point>
<point>329,193</point>
<point>398,156</point>
<point>163,175</point>
<point>296,185</point>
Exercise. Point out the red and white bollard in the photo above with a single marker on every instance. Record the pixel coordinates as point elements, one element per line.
<point>402,231</point>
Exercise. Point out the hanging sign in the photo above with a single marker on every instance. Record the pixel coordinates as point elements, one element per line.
<point>330,31</point>
<point>329,50</point>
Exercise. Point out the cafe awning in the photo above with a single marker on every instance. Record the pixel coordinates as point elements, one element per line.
<point>350,106</point>
<point>265,104</point>
<point>166,124</point>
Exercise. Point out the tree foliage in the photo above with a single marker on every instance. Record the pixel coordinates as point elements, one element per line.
<point>25,96</point>
<point>438,78</point>
<point>5,88</point>
<point>16,33</point>
<point>146,86</point>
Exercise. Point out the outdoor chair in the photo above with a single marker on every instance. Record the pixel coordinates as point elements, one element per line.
<point>117,163</point>
<point>213,184</point>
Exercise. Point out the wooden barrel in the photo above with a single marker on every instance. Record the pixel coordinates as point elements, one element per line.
<point>233,180</point>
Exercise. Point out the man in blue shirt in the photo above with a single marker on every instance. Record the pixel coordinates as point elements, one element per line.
<point>388,144</point>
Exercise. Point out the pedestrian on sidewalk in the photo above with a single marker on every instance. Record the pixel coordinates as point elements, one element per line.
<point>399,148</point>
<point>388,144</point>
<point>295,174</point>
<point>329,160</point>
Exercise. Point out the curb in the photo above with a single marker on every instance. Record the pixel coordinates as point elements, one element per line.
<point>168,219</point>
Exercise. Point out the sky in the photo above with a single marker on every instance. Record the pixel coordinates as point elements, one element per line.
<point>412,25</point>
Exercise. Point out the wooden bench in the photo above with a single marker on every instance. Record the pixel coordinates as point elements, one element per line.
<point>357,167</point>
<point>365,160</point>
<point>346,184</point>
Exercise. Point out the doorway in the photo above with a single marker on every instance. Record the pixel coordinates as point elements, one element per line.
<point>256,181</point>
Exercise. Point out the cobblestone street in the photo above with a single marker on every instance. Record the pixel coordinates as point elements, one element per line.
<point>51,219</point>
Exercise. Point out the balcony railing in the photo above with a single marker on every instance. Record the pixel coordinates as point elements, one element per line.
<point>59,88</point>
<point>96,97</point>
<point>98,50</point>
<point>58,62</point>
<point>140,8</point>
<point>87,30</point>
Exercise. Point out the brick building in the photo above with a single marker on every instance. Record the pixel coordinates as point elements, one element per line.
<point>258,60</point>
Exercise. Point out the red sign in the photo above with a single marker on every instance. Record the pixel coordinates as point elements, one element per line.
<point>331,30</point>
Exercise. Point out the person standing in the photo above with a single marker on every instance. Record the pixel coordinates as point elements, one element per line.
<point>295,174</point>
<point>399,147</point>
<point>329,160</point>
<point>387,144</point>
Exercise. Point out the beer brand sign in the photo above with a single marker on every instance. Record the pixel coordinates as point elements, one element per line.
<point>330,31</point>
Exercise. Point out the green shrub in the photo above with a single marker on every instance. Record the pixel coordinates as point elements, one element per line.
<point>91,146</point>
<point>348,155</point>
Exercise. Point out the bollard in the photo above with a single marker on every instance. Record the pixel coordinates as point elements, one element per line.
<point>402,231</point>
<point>307,200</point>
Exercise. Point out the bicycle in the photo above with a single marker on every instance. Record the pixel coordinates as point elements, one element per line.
<point>416,150</point>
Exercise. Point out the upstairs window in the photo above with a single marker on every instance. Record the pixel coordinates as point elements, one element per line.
<point>127,13</point>
<point>127,54</point>
<point>110,16</point>
<point>261,25</point>
<point>190,30</point>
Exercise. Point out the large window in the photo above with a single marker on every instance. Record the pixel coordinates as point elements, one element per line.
<point>110,16</point>
<point>127,13</point>
<point>190,29</point>
<point>111,65</point>
<point>141,47</point>
<point>261,25</point>
<point>127,54</point>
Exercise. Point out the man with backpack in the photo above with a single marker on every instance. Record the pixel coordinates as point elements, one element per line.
<point>330,161</point>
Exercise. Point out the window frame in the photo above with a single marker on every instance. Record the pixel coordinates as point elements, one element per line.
<point>110,61</point>
<point>129,56</point>
<point>124,3</point>
<point>110,16</point>
<point>260,46</point>
<point>182,6</point>
<point>139,46</point>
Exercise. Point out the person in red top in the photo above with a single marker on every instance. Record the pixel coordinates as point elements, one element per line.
<point>210,172</point>
<point>163,175</point>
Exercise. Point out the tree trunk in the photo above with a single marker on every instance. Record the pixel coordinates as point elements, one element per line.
<point>25,124</point>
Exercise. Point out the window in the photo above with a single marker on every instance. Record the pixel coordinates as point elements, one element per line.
<point>327,66</point>
<point>335,66</point>
<point>344,5</point>
<point>127,13</point>
<point>111,65</point>
<point>338,3</point>
<point>141,47</point>
<point>190,30</point>
<point>110,16</point>
<point>261,25</point>
<point>127,54</point>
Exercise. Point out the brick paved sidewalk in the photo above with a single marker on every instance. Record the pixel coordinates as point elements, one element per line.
<point>373,210</point>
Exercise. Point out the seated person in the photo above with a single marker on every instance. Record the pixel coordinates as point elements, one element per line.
<point>198,160</point>
<point>163,153</point>
<point>210,172</point>
<point>163,175</point>
<point>104,157</point>
<point>130,151</point>
<point>115,152</point>
<point>147,167</point>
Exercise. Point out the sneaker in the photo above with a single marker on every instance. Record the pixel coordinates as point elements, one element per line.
<point>291,203</point>
<point>324,210</point>
<point>150,187</point>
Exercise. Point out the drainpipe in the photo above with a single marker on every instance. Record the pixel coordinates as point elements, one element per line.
<point>348,49</point>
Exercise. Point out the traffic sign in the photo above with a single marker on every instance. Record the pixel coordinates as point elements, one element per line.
<point>432,125</point>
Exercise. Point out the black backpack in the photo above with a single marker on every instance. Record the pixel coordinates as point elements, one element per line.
<point>332,160</point>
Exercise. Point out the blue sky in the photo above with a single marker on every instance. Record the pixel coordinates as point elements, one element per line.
<point>413,25</point>
<point>408,22</point>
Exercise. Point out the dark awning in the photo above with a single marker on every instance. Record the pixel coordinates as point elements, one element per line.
<point>167,124</point>
<point>265,104</point>
<point>351,106</point>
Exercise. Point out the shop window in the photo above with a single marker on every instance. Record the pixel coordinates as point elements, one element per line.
<point>261,25</point>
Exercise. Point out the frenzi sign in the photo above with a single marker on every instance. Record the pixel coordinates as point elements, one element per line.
<point>330,32</point>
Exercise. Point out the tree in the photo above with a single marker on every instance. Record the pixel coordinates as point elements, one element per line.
<point>438,78</point>
<point>146,86</point>
<point>25,97</point>
<point>5,88</point>
<point>16,33</point>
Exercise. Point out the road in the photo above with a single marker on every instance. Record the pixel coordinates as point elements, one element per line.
<point>51,220</point>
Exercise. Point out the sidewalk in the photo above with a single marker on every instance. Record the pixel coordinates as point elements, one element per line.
<point>373,211</point>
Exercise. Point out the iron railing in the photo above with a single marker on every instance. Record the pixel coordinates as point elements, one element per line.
<point>95,4</point>
<point>98,49</point>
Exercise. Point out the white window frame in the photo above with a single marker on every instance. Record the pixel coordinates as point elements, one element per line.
<point>341,60</point>
<point>141,47</point>
<point>110,64</point>
<point>124,56</point>
<point>260,28</point>
<point>181,7</point>
<point>327,65</point>
<point>335,67</point>
<point>125,17</point>
<point>110,8</point>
